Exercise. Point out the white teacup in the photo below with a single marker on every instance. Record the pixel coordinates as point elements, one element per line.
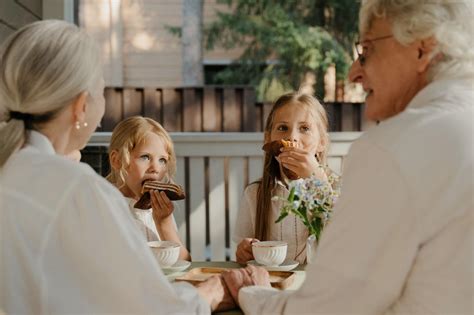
<point>166,252</point>
<point>269,253</point>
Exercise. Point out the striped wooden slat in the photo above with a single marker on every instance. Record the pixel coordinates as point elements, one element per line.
<point>333,111</point>
<point>197,217</point>
<point>211,111</point>
<point>192,119</point>
<point>113,109</point>
<point>347,122</point>
<point>255,168</point>
<point>267,107</point>
<point>132,102</point>
<point>172,110</point>
<point>217,209</point>
<point>236,186</point>
<point>249,110</point>
<point>180,211</point>
<point>232,111</point>
<point>152,106</point>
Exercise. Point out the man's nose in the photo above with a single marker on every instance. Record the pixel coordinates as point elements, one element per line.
<point>355,72</point>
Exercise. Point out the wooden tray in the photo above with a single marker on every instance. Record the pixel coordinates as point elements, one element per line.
<point>278,279</point>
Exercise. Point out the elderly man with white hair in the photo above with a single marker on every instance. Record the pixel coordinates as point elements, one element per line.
<point>401,241</point>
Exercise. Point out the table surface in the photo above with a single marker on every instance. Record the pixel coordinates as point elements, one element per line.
<point>300,275</point>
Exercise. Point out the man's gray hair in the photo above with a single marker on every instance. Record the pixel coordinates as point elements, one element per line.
<point>449,22</point>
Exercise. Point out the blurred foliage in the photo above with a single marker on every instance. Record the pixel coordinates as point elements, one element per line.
<point>283,40</point>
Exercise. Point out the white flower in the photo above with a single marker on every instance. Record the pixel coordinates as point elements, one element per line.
<point>315,197</point>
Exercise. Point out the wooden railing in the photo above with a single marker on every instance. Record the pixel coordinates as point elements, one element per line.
<point>214,169</point>
<point>210,108</point>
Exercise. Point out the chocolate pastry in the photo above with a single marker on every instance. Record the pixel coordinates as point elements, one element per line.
<point>172,191</point>
<point>273,148</point>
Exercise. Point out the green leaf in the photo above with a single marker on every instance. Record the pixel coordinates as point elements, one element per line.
<point>281,217</point>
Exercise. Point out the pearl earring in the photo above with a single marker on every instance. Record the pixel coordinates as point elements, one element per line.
<point>78,124</point>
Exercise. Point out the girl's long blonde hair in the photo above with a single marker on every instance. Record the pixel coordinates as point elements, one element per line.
<point>271,168</point>
<point>126,136</point>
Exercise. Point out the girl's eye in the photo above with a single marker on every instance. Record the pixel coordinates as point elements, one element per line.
<point>163,161</point>
<point>282,128</point>
<point>304,128</point>
<point>145,157</point>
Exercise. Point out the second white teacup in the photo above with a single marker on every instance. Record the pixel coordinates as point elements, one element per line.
<point>269,253</point>
<point>166,252</point>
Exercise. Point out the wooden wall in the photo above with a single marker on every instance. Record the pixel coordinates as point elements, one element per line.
<point>185,109</point>
<point>211,109</point>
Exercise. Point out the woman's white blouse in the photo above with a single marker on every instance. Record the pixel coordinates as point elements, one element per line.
<point>70,245</point>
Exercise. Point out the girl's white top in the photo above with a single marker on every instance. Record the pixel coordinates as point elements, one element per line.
<point>290,230</point>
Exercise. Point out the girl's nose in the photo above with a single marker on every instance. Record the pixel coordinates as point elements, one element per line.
<point>293,136</point>
<point>154,167</point>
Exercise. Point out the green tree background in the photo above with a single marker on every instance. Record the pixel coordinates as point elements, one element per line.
<point>301,36</point>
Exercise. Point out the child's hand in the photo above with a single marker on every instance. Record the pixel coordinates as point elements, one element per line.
<point>302,162</point>
<point>244,250</point>
<point>161,205</point>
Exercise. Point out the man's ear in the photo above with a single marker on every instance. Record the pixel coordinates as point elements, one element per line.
<point>425,48</point>
<point>115,162</point>
<point>79,107</point>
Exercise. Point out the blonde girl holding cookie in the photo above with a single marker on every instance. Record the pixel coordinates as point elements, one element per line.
<point>141,150</point>
<point>300,122</point>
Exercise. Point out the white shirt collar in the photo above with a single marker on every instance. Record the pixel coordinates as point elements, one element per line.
<point>40,142</point>
<point>436,89</point>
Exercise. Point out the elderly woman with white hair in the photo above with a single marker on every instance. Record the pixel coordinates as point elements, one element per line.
<point>68,242</point>
<point>401,241</point>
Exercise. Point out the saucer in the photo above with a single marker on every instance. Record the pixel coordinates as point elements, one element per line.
<point>180,265</point>
<point>287,265</point>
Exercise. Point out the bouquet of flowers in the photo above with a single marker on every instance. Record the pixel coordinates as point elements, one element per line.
<point>311,200</point>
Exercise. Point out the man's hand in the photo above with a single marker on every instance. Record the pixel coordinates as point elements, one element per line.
<point>216,293</point>
<point>242,277</point>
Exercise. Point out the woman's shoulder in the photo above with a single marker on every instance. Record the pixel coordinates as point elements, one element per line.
<point>81,175</point>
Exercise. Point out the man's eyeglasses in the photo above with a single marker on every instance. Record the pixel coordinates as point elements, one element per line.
<point>359,46</point>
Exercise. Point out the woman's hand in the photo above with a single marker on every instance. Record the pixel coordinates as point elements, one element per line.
<point>235,279</point>
<point>302,162</point>
<point>161,205</point>
<point>244,250</point>
<point>215,292</point>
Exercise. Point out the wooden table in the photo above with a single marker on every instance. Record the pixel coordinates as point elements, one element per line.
<point>300,275</point>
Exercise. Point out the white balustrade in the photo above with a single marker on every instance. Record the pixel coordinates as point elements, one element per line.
<point>214,169</point>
